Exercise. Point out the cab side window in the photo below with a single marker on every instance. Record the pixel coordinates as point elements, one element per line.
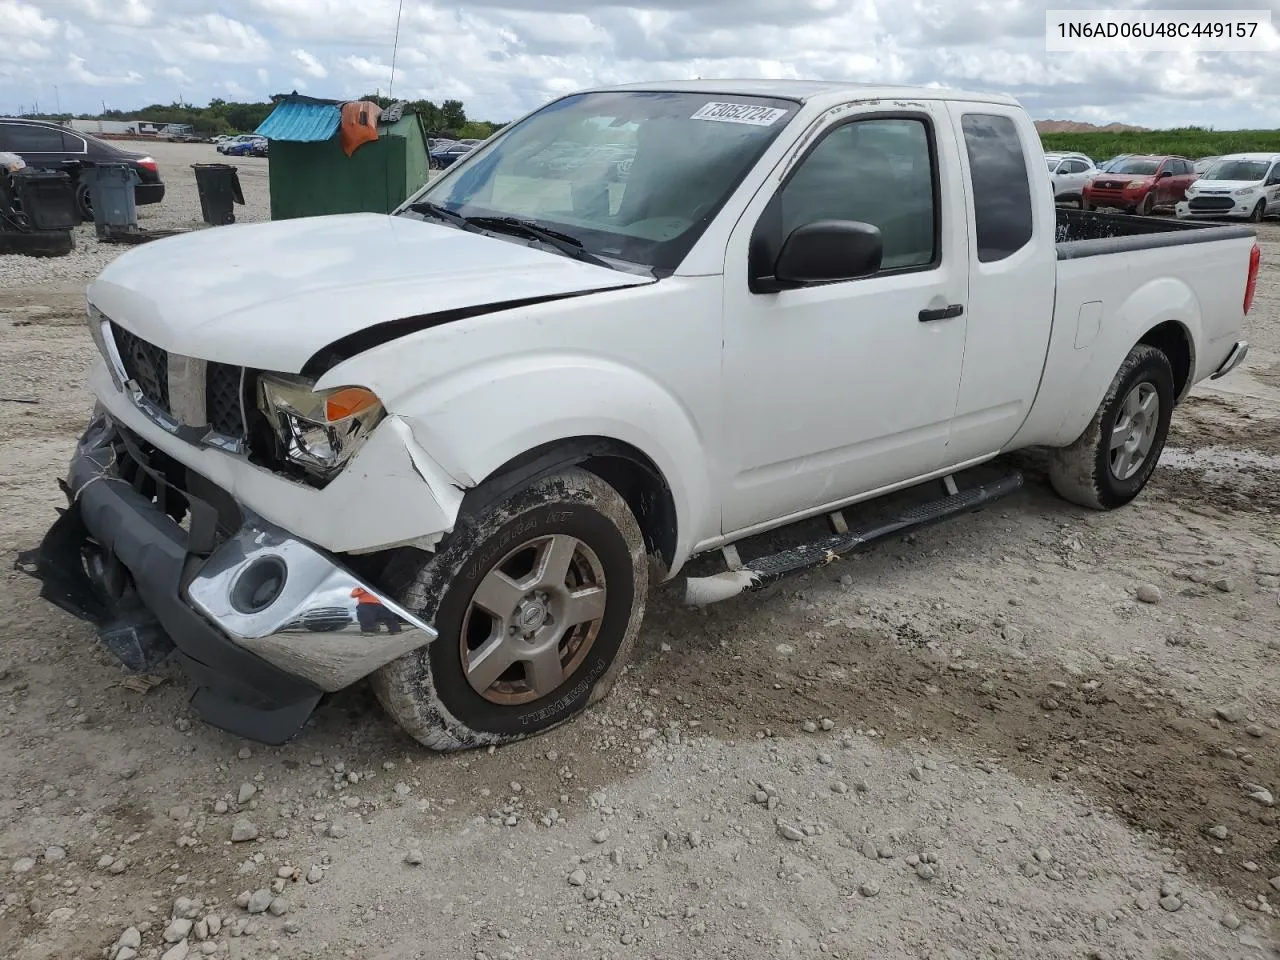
<point>1001,189</point>
<point>878,171</point>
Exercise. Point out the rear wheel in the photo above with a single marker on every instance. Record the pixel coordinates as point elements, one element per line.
<point>1110,463</point>
<point>84,201</point>
<point>536,601</point>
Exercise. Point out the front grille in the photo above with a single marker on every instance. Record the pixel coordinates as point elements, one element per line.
<point>148,366</point>
<point>1211,203</point>
<point>145,364</point>
<point>223,401</point>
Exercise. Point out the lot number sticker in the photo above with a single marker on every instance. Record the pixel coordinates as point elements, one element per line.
<point>753,114</point>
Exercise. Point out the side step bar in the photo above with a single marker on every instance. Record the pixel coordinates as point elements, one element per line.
<point>754,574</point>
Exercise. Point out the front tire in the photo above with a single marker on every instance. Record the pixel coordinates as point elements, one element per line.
<point>537,601</point>
<point>1259,212</point>
<point>1110,463</point>
<point>1147,206</point>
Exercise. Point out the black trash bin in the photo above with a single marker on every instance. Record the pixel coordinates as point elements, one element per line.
<point>47,197</point>
<point>219,187</point>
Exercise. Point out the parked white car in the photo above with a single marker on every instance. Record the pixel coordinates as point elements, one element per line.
<point>1069,172</point>
<point>544,392</point>
<point>1242,186</point>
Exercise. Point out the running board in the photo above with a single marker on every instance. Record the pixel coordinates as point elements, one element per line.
<point>754,574</point>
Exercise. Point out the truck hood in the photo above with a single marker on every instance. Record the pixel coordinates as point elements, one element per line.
<point>271,295</point>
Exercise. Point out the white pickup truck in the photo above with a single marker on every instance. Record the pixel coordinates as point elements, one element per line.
<point>450,449</point>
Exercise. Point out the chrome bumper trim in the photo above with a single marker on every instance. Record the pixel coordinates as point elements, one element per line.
<point>1236,357</point>
<point>314,627</point>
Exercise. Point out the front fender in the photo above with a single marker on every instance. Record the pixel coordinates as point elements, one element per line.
<point>638,365</point>
<point>477,420</point>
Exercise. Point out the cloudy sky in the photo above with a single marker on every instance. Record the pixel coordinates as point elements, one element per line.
<point>503,57</point>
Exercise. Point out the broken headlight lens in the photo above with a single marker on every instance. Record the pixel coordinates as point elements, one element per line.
<point>317,431</point>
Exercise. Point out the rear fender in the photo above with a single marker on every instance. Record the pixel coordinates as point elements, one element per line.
<point>1076,379</point>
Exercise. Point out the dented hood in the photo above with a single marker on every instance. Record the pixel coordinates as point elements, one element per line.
<point>271,295</point>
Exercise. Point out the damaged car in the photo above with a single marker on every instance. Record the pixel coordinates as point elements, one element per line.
<point>451,449</point>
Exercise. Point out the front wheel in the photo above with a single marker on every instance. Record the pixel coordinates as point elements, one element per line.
<point>1110,463</point>
<point>1259,212</point>
<point>1148,204</point>
<point>536,601</point>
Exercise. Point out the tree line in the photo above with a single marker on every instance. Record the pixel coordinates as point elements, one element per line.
<point>447,119</point>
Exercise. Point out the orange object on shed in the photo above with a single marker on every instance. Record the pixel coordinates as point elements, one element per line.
<point>359,124</point>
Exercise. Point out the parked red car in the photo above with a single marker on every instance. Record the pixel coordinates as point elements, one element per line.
<point>1140,184</point>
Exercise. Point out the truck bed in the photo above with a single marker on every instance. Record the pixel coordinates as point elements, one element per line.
<point>1082,233</point>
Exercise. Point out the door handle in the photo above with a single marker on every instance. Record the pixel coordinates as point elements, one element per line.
<point>942,313</point>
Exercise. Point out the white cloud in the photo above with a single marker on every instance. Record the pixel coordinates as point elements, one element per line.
<point>78,72</point>
<point>212,37</point>
<point>310,65</point>
<point>237,90</point>
<point>22,21</point>
<point>176,74</point>
<point>132,13</point>
<point>504,57</point>
<point>369,68</point>
<point>263,76</point>
<point>29,50</point>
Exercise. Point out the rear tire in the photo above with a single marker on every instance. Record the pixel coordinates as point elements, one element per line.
<point>565,561</point>
<point>1109,464</point>
<point>84,201</point>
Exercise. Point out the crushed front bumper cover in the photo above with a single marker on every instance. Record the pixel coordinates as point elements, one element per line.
<point>262,622</point>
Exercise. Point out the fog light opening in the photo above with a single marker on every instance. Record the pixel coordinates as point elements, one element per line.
<point>259,585</point>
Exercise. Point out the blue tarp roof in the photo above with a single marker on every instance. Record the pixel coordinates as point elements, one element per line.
<point>301,121</point>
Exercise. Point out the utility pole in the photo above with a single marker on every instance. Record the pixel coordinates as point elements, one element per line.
<point>57,101</point>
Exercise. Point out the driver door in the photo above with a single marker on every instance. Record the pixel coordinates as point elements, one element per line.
<point>836,389</point>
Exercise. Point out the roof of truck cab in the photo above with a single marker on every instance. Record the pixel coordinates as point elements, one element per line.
<point>805,90</point>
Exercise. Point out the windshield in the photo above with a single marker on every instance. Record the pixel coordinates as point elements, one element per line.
<point>1248,170</point>
<point>1138,168</point>
<point>634,176</point>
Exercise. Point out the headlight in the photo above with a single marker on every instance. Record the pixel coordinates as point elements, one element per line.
<point>318,431</point>
<point>1243,191</point>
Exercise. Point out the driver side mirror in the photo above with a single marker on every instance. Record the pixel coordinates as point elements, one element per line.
<point>1165,173</point>
<point>828,250</point>
<point>1273,180</point>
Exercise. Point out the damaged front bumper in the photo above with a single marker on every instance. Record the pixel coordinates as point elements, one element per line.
<point>262,622</point>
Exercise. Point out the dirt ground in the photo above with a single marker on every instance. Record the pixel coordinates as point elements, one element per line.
<point>984,744</point>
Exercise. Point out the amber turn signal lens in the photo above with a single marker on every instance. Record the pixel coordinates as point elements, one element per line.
<point>348,402</point>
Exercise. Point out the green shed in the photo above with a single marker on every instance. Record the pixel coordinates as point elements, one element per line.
<point>310,175</point>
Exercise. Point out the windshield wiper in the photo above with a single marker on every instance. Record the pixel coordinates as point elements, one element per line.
<point>568,245</point>
<point>430,209</point>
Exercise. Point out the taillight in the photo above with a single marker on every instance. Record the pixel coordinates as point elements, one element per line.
<point>1251,285</point>
<point>148,163</point>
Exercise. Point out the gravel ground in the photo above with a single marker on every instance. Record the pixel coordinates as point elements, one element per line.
<point>180,210</point>
<point>1033,732</point>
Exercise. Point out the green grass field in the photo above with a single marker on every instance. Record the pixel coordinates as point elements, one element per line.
<point>1190,142</point>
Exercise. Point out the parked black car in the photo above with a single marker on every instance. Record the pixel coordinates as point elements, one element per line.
<point>51,147</point>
